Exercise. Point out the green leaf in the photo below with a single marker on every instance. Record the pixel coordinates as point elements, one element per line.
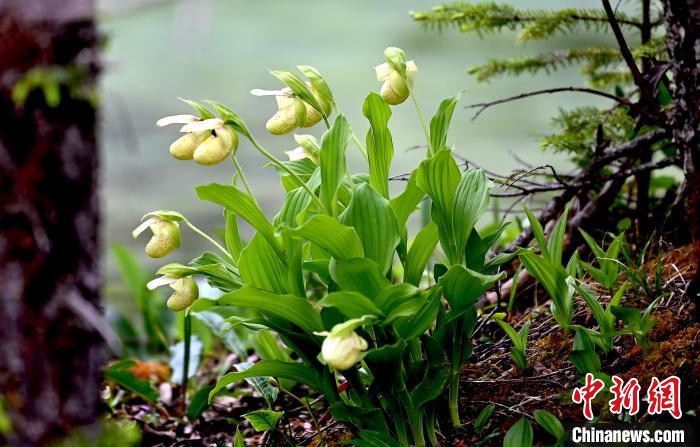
<point>299,88</point>
<point>261,267</point>
<point>550,423</point>
<point>351,304</point>
<point>240,203</point>
<point>405,203</point>
<point>595,248</point>
<point>415,326</point>
<point>199,402</point>
<point>420,252</point>
<point>440,124</point>
<point>375,224</point>
<point>292,308</point>
<point>380,148</point>
<point>399,300</point>
<point>333,167</point>
<point>510,332</point>
<point>317,82</point>
<point>586,361</point>
<point>234,244</point>
<point>341,241</point>
<point>270,368</point>
<point>261,384</point>
<point>203,112</point>
<point>519,434</point>
<point>238,439</point>
<point>119,372</point>
<point>553,279</point>
<point>462,287</point>
<point>231,118</point>
<point>483,418</point>
<point>358,275</point>
<point>264,420</point>
<point>436,374</point>
<point>555,246</point>
<point>438,177</point>
<point>538,232</point>
<point>470,201</point>
<point>293,208</point>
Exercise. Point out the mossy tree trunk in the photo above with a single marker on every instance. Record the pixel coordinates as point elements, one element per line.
<point>682,19</point>
<point>50,353</point>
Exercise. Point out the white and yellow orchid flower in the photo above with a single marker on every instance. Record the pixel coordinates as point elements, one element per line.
<point>395,88</point>
<point>185,291</point>
<point>165,239</point>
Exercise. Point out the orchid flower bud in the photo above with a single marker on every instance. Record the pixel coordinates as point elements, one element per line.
<point>166,236</point>
<point>308,148</point>
<point>291,113</point>
<point>342,351</point>
<point>397,75</point>
<point>186,291</point>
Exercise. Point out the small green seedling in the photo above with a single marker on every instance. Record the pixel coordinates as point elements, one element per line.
<point>519,340</point>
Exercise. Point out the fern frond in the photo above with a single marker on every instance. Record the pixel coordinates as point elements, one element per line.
<point>489,17</point>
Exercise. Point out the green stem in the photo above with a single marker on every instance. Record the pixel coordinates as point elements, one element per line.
<point>454,401</point>
<point>430,426</point>
<point>186,361</point>
<point>239,169</point>
<point>420,116</point>
<point>207,237</point>
<point>453,397</point>
<point>363,151</point>
<point>284,167</point>
<point>308,408</point>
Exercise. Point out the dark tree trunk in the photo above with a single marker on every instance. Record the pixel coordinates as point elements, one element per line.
<point>682,19</point>
<point>50,354</point>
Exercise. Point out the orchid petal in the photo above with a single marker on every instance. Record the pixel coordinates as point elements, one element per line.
<point>160,281</point>
<point>141,228</point>
<point>176,119</point>
<point>200,126</point>
<point>296,154</point>
<point>261,92</point>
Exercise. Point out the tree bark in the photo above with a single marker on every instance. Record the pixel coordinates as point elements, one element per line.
<point>682,20</point>
<point>50,354</point>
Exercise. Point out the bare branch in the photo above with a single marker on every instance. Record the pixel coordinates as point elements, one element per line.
<point>482,106</point>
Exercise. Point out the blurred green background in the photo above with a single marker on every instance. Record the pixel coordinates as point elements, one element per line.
<point>221,49</point>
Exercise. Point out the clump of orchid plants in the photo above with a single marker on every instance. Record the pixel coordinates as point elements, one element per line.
<point>338,273</point>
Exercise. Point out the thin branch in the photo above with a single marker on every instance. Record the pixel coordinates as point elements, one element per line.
<point>482,106</point>
<point>628,57</point>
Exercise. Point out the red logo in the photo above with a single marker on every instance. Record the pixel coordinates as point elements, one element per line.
<point>625,396</point>
<point>665,395</point>
<point>587,393</point>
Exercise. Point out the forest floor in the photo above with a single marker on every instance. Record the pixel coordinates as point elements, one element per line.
<point>489,378</point>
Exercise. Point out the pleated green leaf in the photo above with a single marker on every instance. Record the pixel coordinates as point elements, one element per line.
<point>351,304</point>
<point>358,275</point>
<point>463,287</point>
<point>269,368</point>
<point>420,252</point>
<point>375,223</point>
<point>291,308</point>
<point>333,166</point>
<point>440,124</point>
<point>240,203</point>
<point>380,147</point>
<point>341,241</point>
<point>261,267</point>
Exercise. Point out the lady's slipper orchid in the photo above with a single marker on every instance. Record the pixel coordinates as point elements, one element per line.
<point>208,141</point>
<point>166,236</point>
<point>219,145</point>
<point>185,291</point>
<point>292,112</point>
<point>395,88</point>
<point>342,349</point>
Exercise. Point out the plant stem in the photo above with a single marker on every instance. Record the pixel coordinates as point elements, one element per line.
<point>420,116</point>
<point>284,167</point>
<point>186,361</point>
<point>207,237</point>
<point>359,145</point>
<point>239,169</point>
<point>308,408</point>
<point>430,426</point>
<point>453,401</point>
